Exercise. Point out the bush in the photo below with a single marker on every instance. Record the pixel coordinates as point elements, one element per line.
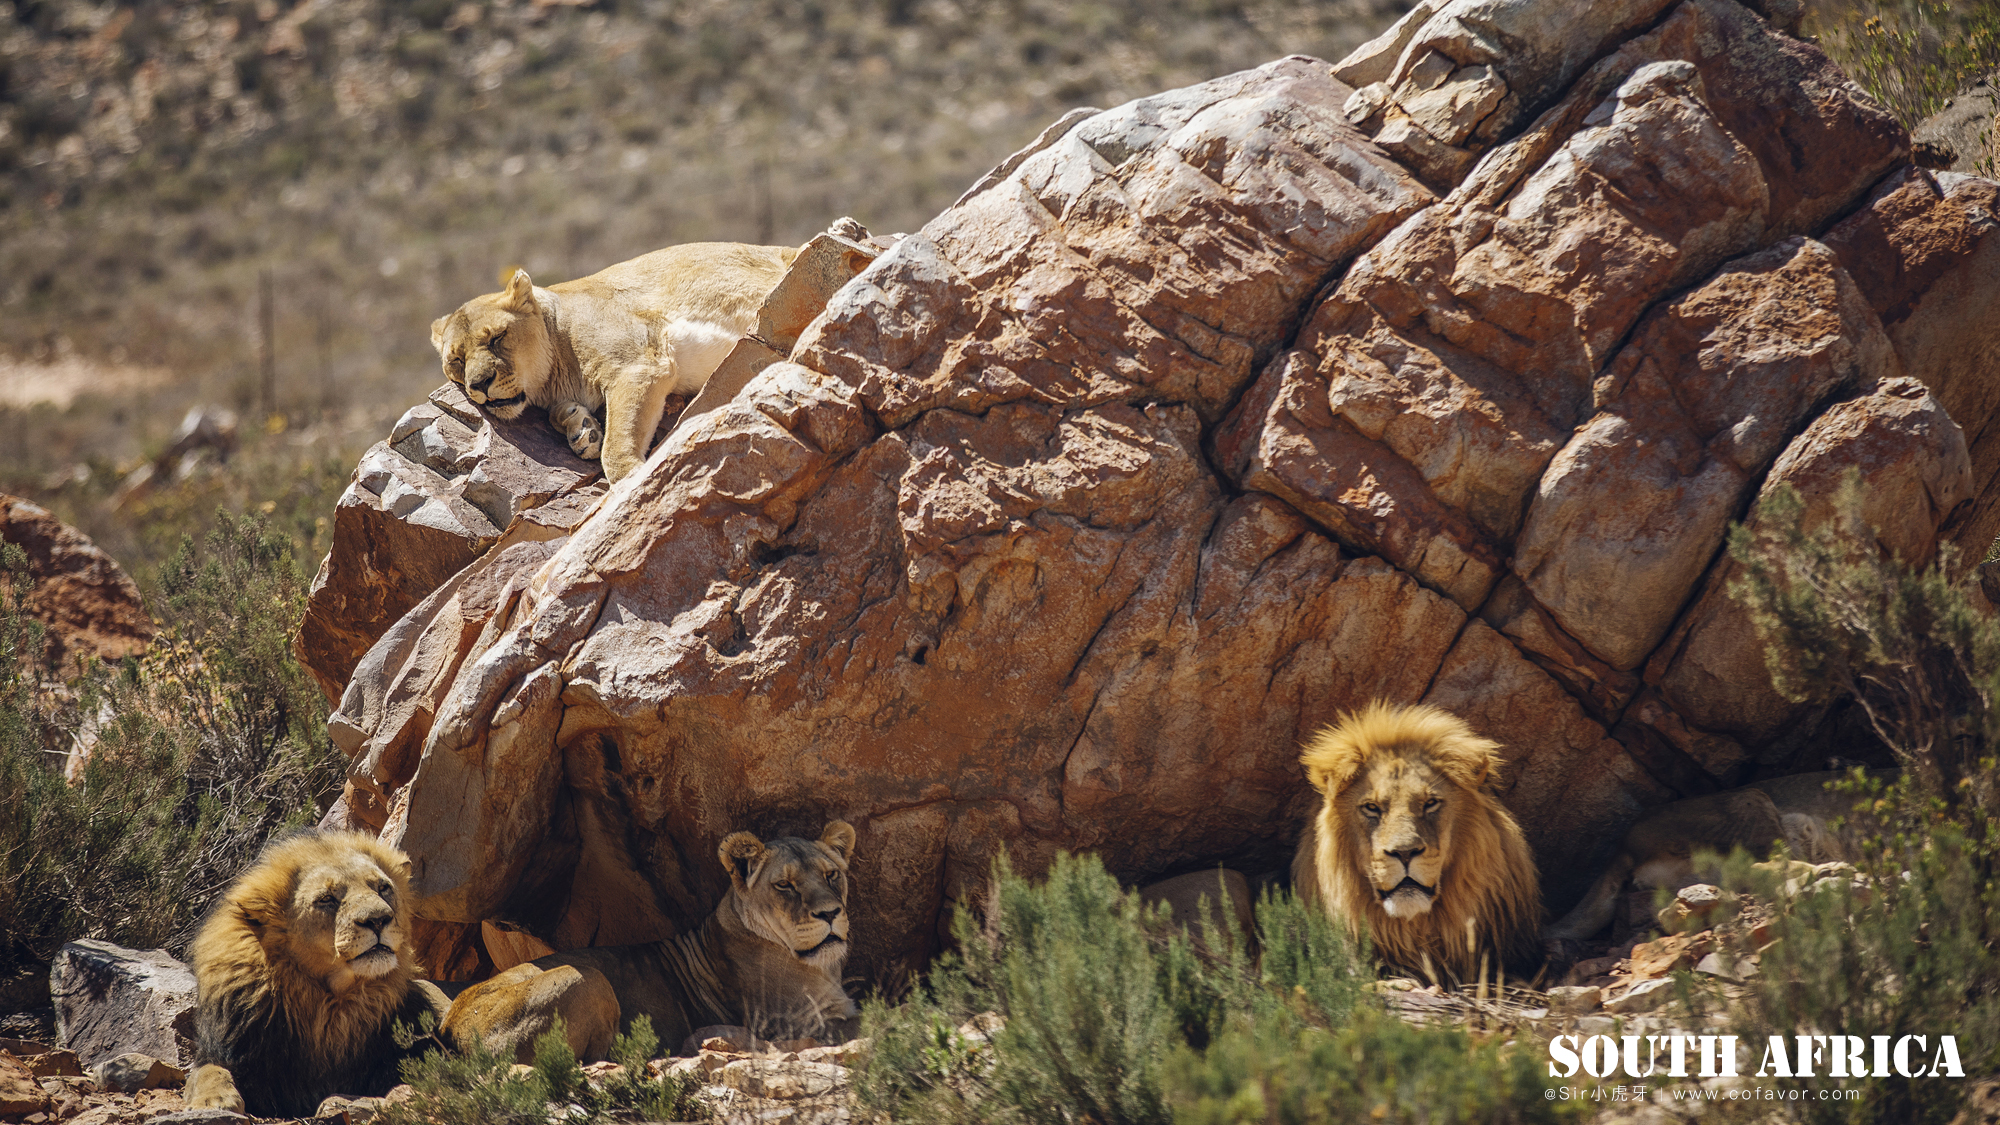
<point>1907,946</point>
<point>1907,645</point>
<point>1106,1014</point>
<point>1914,55</point>
<point>198,753</point>
<point>478,1086</point>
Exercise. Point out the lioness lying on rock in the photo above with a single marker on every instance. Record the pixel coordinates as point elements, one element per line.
<point>620,340</point>
<point>769,958</point>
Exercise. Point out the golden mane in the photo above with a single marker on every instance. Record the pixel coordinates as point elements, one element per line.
<point>1488,876</point>
<point>245,957</point>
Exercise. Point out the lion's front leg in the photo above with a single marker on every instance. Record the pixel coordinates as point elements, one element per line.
<point>508,1011</point>
<point>212,1087</point>
<point>633,404</point>
<point>579,424</point>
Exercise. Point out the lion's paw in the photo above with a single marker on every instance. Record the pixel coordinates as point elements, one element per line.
<point>580,425</point>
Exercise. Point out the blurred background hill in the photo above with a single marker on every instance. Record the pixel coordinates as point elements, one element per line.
<point>383,161</point>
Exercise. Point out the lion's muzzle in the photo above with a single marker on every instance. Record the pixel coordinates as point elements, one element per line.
<point>1407,899</point>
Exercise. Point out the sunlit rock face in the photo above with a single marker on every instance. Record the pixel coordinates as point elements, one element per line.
<point>1203,419</point>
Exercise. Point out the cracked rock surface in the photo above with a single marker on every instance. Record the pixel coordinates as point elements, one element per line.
<point>1205,418</point>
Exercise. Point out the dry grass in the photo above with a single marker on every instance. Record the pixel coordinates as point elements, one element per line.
<point>385,159</point>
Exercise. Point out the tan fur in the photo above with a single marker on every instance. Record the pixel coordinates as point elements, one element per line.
<point>307,956</point>
<point>768,958</point>
<point>620,340</point>
<point>1658,851</point>
<point>1408,796</point>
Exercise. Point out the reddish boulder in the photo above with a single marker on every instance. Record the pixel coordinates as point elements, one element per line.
<point>421,507</point>
<point>89,605</point>
<point>1197,422</point>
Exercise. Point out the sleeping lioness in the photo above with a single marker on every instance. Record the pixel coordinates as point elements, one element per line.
<point>620,340</point>
<point>769,958</point>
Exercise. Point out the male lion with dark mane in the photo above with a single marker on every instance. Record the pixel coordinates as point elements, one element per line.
<point>768,958</point>
<point>1412,845</point>
<point>300,970</point>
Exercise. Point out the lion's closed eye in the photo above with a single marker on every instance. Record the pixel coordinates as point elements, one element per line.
<point>327,902</point>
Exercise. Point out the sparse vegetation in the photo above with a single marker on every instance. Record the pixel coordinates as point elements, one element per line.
<point>1099,1012</point>
<point>480,1087</point>
<point>1905,946</point>
<point>189,759</point>
<point>1913,55</point>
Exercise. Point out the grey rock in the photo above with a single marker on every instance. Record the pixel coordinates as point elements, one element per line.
<point>131,1072</point>
<point>110,1000</point>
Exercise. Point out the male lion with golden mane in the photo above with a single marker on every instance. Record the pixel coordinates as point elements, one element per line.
<point>299,971</point>
<point>620,340</point>
<point>1411,843</point>
<point>769,958</point>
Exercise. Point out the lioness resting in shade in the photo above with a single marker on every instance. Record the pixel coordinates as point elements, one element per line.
<point>620,340</point>
<point>769,958</point>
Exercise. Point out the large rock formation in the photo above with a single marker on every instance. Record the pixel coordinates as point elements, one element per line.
<point>1202,419</point>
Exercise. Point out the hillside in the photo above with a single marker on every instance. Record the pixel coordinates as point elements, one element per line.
<point>385,160</point>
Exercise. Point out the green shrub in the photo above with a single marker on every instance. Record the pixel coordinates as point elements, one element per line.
<point>1914,55</point>
<point>1908,947</point>
<point>199,752</point>
<point>477,1085</point>
<point>1907,645</point>
<point>1106,1014</point>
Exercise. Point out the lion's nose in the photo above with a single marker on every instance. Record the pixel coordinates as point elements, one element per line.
<point>1407,854</point>
<point>827,915</point>
<point>377,922</point>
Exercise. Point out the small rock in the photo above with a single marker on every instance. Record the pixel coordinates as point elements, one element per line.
<point>111,1000</point>
<point>771,1078</point>
<point>982,1027</point>
<point>1696,906</point>
<point>1574,1000</point>
<point>732,1039</point>
<point>347,1111</point>
<point>20,1093</point>
<point>131,1072</point>
<point>1658,958</point>
<point>1595,1025</point>
<point>53,1064</point>
<point>1727,967</point>
<point>662,1068</point>
<point>1700,898</point>
<point>198,1117</point>
<point>1641,997</point>
<point>1394,984</point>
<point>854,1052</point>
<point>602,1072</point>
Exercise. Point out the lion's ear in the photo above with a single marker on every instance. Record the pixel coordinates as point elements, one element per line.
<point>839,836</point>
<point>1331,761</point>
<point>520,295</point>
<point>742,853</point>
<point>1469,760</point>
<point>437,333</point>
